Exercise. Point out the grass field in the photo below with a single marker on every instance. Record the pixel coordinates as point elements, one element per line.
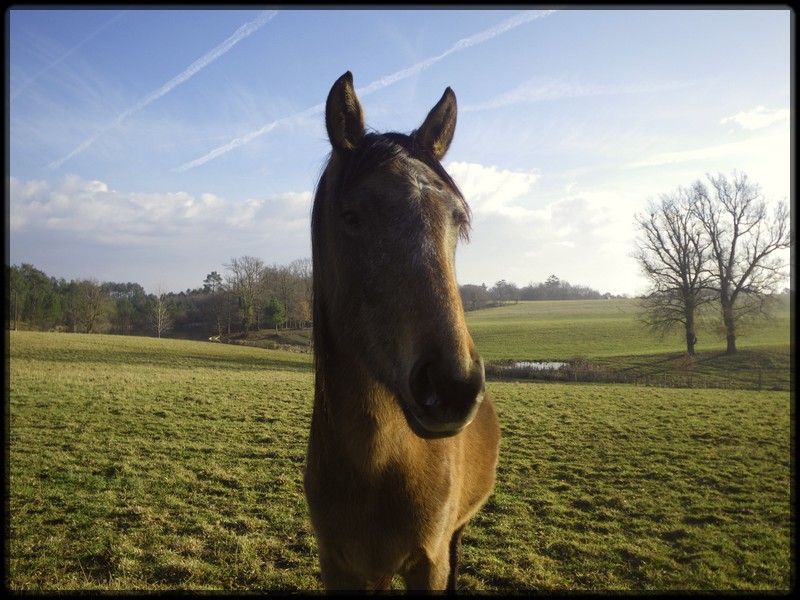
<point>605,341</point>
<point>146,464</point>
<point>561,330</point>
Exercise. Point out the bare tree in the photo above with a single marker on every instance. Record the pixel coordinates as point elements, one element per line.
<point>744,239</point>
<point>289,286</point>
<point>673,252</point>
<point>90,305</point>
<point>302,271</point>
<point>161,312</point>
<point>245,280</point>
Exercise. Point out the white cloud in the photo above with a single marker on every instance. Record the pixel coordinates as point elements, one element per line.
<point>523,233</point>
<point>758,118</point>
<point>510,198</point>
<point>491,190</point>
<point>96,213</point>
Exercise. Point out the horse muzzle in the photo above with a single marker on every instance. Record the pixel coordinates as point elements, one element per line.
<point>444,399</point>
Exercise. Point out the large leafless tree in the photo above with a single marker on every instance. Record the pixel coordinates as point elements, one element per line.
<point>745,239</point>
<point>719,242</point>
<point>672,251</point>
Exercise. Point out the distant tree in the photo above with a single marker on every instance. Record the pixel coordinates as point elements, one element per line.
<point>245,280</point>
<point>291,285</point>
<point>161,313</point>
<point>130,312</point>
<point>474,297</point>
<point>275,314</point>
<point>743,240</point>
<point>301,270</point>
<point>213,285</point>
<point>90,305</point>
<point>673,253</point>
<point>16,294</point>
<point>35,301</point>
<point>556,289</point>
<point>504,291</point>
<point>122,321</point>
<point>212,282</point>
<point>281,285</point>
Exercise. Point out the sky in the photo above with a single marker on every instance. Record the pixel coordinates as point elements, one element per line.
<point>155,146</point>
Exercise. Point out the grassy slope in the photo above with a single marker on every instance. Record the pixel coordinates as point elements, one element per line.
<point>137,463</point>
<point>610,336</point>
<point>561,330</point>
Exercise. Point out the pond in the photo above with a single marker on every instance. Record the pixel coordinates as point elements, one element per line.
<point>539,365</point>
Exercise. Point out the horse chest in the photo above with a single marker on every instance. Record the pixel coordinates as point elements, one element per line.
<point>401,493</point>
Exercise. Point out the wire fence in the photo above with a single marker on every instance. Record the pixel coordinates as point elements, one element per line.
<point>746,378</point>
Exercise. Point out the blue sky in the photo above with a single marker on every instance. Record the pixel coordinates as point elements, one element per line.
<point>154,146</point>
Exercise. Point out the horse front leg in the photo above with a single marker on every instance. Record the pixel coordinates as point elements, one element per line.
<point>336,575</point>
<point>381,584</point>
<point>424,572</point>
<point>455,559</point>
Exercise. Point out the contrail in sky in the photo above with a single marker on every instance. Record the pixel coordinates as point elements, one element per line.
<point>196,66</point>
<point>381,83</point>
<point>30,80</point>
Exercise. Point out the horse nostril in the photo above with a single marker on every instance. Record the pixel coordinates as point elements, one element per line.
<point>435,387</point>
<point>477,363</point>
<point>422,388</point>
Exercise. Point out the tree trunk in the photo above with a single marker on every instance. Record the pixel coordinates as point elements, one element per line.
<point>730,329</point>
<point>691,340</point>
<point>731,349</point>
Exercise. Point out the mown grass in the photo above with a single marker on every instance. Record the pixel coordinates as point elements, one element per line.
<point>605,341</point>
<point>144,464</point>
<point>621,488</point>
<point>561,330</point>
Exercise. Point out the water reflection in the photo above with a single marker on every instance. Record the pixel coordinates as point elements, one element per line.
<point>539,365</point>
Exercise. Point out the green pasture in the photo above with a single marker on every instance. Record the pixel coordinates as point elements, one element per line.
<point>147,464</point>
<point>562,330</point>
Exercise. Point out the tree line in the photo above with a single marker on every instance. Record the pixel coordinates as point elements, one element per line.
<point>248,295</point>
<point>475,297</point>
<point>707,251</point>
<point>711,249</point>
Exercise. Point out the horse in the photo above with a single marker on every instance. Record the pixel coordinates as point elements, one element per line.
<point>404,439</point>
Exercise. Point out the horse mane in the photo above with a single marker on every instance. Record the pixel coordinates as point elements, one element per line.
<point>376,149</point>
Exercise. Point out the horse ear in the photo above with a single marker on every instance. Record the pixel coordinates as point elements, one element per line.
<point>436,132</point>
<point>344,118</point>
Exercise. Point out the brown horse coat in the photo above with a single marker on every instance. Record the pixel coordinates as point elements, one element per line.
<point>404,438</point>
